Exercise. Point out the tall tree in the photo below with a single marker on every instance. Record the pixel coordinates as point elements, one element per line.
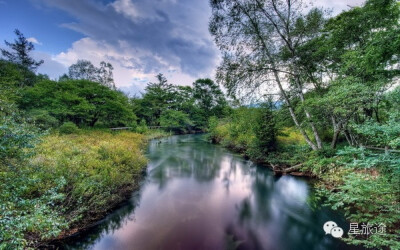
<point>159,96</point>
<point>209,99</point>
<point>353,63</point>
<point>105,74</point>
<point>260,41</point>
<point>19,53</point>
<point>85,70</point>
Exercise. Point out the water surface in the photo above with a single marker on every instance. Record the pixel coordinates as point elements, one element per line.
<point>201,196</point>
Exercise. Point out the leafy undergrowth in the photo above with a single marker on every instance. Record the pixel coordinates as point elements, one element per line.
<point>70,181</point>
<point>365,185</point>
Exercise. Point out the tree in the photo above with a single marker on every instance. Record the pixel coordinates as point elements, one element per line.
<point>265,133</point>
<point>175,120</point>
<point>80,101</point>
<point>85,70</point>
<point>260,41</point>
<point>159,96</point>
<point>353,63</point>
<point>105,74</point>
<point>209,99</point>
<point>20,52</point>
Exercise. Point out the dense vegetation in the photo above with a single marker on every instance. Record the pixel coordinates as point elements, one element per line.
<point>180,108</point>
<point>61,168</point>
<point>337,115</point>
<point>325,102</point>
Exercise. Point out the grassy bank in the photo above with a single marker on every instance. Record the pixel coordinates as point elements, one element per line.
<point>348,178</point>
<point>67,183</point>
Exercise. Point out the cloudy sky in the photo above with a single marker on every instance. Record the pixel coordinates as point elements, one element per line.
<point>140,38</point>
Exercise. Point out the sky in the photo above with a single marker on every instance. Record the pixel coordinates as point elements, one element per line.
<point>140,38</point>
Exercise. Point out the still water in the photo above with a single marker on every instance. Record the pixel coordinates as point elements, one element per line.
<point>201,196</point>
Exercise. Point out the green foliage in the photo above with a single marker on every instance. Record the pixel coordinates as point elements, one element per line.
<point>68,128</point>
<point>367,176</point>
<point>69,182</point>
<point>16,134</point>
<point>12,78</point>
<point>28,210</point>
<point>265,134</point>
<point>175,120</point>
<point>19,53</point>
<point>142,127</point>
<point>386,134</point>
<point>24,207</point>
<point>250,131</point>
<point>209,100</point>
<point>42,119</point>
<point>79,101</point>
<point>164,102</point>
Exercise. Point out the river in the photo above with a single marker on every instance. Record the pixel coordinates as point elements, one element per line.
<point>197,195</point>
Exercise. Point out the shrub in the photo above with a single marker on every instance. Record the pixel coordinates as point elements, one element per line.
<point>142,127</point>
<point>15,134</point>
<point>174,120</point>
<point>68,128</point>
<point>359,177</point>
<point>43,119</point>
<point>264,141</point>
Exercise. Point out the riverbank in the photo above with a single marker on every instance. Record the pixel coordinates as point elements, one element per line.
<point>347,179</point>
<point>69,182</point>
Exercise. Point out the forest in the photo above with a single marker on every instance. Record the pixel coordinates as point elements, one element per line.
<point>297,91</point>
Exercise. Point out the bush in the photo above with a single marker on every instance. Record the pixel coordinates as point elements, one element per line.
<point>265,135</point>
<point>68,128</point>
<point>250,131</point>
<point>15,134</point>
<point>43,119</point>
<point>359,177</point>
<point>174,120</point>
<point>142,127</point>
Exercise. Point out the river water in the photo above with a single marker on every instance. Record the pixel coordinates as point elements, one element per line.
<point>197,195</point>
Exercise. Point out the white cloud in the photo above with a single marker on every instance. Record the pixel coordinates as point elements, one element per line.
<point>130,71</point>
<point>338,5</point>
<point>50,66</point>
<point>34,40</point>
<point>125,7</point>
<point>164,32</point>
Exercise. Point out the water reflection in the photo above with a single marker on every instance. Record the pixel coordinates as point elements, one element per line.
<point>200,196</point>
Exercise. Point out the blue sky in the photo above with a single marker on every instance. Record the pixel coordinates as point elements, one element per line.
<point>37,22</point>
<point>139,37</point>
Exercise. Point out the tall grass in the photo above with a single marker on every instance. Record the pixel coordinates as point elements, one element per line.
<point>68,183</point>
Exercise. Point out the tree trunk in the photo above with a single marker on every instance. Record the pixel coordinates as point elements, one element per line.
<point>93,122</point>
<point>335,138</point>
<point>292,113</point>
<point>277,78</point>
<point>346,134</point>
<point>308,115</point>
<point>337,129</point>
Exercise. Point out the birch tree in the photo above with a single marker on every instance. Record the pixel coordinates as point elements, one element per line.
<point>260,40</point>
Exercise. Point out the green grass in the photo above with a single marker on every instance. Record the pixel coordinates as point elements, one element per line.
<point>68,182</point>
